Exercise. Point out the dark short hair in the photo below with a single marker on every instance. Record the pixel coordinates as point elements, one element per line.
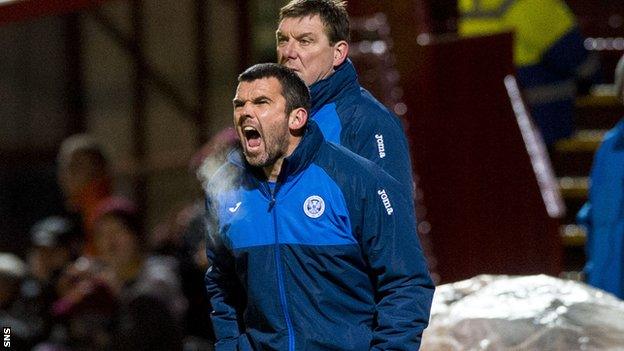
<point>333,14</point>
<point>294,89</point>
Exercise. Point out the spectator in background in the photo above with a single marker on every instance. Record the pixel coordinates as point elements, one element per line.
<point>85,179</point>
<point>55,244</point>
<point>603,214</point>
<point>86,310</point>
<point>148,287</point>
<point>552,62</point>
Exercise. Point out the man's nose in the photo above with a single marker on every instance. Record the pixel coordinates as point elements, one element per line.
<point>289,49</point>
<point>246,110</point>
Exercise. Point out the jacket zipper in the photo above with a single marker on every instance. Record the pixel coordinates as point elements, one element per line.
<point>280,276</point>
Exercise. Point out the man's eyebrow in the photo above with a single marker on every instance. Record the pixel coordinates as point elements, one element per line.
<point>239,102</point>
<point>298,36</point>
<point>261,98</point>
<point>306,34</point>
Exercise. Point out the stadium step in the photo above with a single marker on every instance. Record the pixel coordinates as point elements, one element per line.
<point>574,156</point>
<point>574,187</point>
<point>573,235</point>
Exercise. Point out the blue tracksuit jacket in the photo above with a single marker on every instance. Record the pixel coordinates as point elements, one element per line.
<point>350,116</point>
<point>328,258</point>
<point>603,215</point>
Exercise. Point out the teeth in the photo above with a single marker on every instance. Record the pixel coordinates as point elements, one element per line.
<point>249,129</point>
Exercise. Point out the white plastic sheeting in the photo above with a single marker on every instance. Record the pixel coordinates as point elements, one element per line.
<point>523,313</point>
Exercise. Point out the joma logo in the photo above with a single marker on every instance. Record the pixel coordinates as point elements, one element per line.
<point>380,145</point>
<point>385,200</point>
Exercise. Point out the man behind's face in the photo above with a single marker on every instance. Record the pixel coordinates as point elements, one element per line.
<point>303,46</point>
<point>312,37</point>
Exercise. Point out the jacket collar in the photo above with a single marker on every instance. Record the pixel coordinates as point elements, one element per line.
<point>304,154</point>
<point>292,165</point>
<point>326,90</point>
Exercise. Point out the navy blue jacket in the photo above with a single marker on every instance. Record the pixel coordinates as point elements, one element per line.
<point>328,258</point>
<point>603,215</point>
<point>350,116</point>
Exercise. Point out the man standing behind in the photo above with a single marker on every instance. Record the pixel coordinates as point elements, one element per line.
<point>322,241</point>
<point>85,178</point>
<point>312,39</point>
<point>603,213</point>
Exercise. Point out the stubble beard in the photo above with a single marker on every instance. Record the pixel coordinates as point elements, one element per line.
<point>274,149</point>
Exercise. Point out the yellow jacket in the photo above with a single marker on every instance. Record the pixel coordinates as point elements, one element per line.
<point>537,24</point>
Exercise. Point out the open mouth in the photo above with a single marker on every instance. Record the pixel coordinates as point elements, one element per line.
<point>252,136</point>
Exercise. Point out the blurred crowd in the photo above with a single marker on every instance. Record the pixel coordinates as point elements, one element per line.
<point>98,280</point>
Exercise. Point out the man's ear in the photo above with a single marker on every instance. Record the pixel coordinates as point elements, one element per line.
<point>297,120</point>
<point>341,51</point>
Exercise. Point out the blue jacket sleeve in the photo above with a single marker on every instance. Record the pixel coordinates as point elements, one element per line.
<point>378,136</point>
<point>404,289</point>
<point>220,281</point>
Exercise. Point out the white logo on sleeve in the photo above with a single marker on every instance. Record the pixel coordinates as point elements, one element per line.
<point>235,208</point>
<point>380,145</point>
<point>314,206</point>
<point>385,200</point>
